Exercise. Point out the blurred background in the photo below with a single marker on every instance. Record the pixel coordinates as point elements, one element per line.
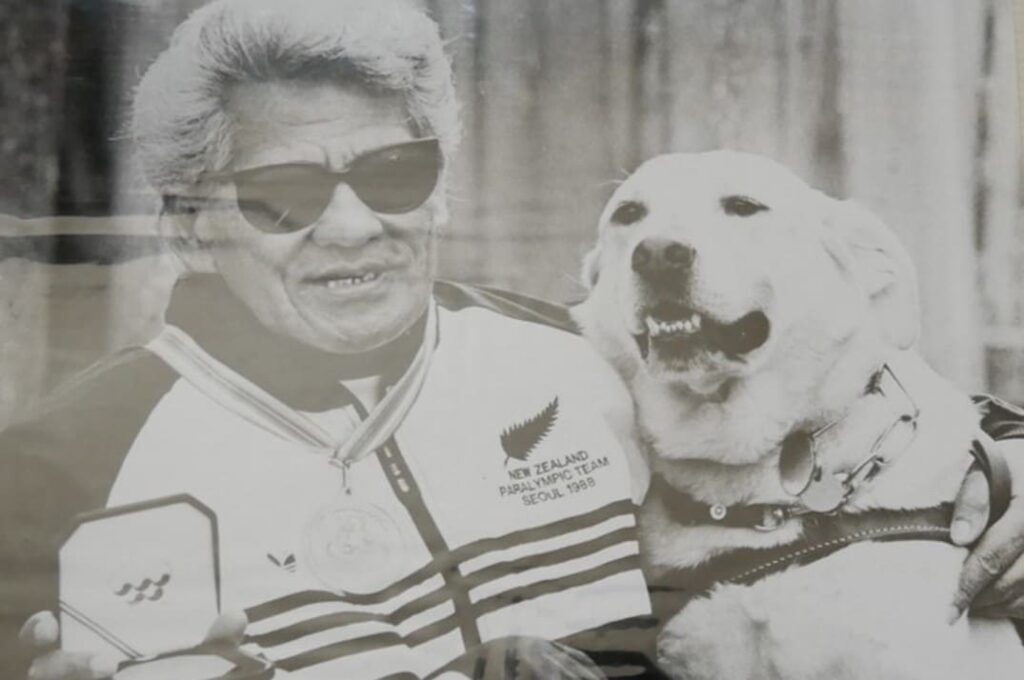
<point>907,105</point>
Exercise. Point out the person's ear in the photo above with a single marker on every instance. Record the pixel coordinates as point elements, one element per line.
<point>177,227</point>
<point>872,254</point>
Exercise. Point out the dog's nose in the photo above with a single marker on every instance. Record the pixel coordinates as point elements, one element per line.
<point>662,258</point>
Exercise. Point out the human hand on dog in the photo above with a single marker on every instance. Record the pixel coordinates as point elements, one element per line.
<point>992,579</point>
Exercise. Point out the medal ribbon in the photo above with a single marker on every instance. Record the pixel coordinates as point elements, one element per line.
<point>257,406</point>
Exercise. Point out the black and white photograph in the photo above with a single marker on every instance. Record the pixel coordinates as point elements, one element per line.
<point>511,339</point>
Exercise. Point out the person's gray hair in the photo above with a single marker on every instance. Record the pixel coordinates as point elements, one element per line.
<point>179,124</point>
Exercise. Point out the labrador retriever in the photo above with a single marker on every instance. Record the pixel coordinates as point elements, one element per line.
<point>767,334</point>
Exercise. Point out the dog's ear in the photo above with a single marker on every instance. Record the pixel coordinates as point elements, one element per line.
<point>591,268</point>
<point>861,243</point>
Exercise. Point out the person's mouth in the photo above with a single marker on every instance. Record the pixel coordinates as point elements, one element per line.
<point>345,280</point>
<point>350,281</point>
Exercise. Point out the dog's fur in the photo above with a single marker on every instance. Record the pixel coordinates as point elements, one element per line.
<point>839,293</point>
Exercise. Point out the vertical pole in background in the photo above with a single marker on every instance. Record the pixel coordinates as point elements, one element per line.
<point>758,77</point>
<point>78,304</point>
<point>30,119</point>
<point>908,106</point>
<point>999,228</point>
<point>544,88</point>
<point>140,287</point>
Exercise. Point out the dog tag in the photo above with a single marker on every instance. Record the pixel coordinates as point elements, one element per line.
<point>825,493</point>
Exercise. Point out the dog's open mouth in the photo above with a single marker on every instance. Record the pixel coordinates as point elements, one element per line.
<point>677,333</point>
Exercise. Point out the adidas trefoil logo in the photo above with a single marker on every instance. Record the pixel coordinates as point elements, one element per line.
<point>521,439</point>
<point>287,563</point>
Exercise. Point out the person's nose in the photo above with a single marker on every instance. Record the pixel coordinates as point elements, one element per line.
<point>347,221</point>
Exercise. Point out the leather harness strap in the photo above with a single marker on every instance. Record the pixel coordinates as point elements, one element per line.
<point>822,535</point>
<point>997,472</point>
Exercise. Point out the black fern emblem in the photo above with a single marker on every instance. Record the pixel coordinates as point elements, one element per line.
<point>521,439</point>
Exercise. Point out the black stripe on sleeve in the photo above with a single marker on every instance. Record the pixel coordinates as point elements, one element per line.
<point>436,629</point>
<point>470,550</point>
<point>535,590</point>
<point>488,574</point>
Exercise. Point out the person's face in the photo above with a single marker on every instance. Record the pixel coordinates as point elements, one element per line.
<point>352,279</point>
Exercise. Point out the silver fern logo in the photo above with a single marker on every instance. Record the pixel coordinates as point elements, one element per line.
<point>519,440</point>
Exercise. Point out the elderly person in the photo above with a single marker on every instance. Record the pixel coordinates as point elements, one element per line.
<point>403,471</point>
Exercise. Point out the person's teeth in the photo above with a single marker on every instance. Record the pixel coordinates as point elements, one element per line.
<point>349,281</point>
<point>695,321</point>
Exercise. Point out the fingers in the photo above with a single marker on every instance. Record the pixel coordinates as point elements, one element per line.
<point>41,631</point>
<point>1006,588</point>
<point>71,666</point>
<point>971,509</point>
<point>1010,609</point>
<point>228,628</point>
<point>998,550</point>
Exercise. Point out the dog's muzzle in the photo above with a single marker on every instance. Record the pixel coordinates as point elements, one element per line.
<point>674,327</point>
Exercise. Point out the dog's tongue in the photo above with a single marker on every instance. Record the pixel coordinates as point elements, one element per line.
<point>739,337</point>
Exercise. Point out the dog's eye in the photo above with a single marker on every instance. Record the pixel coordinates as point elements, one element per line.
<point>743,206</point>
<point>629,212</point>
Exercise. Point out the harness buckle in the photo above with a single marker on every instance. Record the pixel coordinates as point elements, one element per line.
<point>772,519</point>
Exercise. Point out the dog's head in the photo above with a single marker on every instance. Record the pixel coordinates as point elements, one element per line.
<point>721,274</point>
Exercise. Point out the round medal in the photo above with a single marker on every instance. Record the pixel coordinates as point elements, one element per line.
<point>353,547</point>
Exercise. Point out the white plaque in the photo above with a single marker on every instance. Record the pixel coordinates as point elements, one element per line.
<point>141,579</point>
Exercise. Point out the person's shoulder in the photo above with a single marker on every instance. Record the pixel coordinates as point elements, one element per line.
<point>131,380</point>
<point>512,306</point>
<point>528,332</point>
<point>61,458</point>
<point>90,421</point>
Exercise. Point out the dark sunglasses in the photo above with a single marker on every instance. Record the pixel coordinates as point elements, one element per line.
<point>279,199</point>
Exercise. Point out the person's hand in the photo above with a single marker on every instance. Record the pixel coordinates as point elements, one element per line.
<point>41,635</point>
<point>992,578</point>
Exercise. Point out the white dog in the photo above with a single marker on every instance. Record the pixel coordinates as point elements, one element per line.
<point>765,330</point>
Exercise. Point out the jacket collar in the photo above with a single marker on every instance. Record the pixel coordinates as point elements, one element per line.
<point>303,377</point>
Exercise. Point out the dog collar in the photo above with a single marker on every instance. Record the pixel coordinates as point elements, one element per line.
<point>686,510</point>
<point>822,534</point>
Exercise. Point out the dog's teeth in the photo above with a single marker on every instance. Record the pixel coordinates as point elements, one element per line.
<point>653,326</point>
<point>688,326</point>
